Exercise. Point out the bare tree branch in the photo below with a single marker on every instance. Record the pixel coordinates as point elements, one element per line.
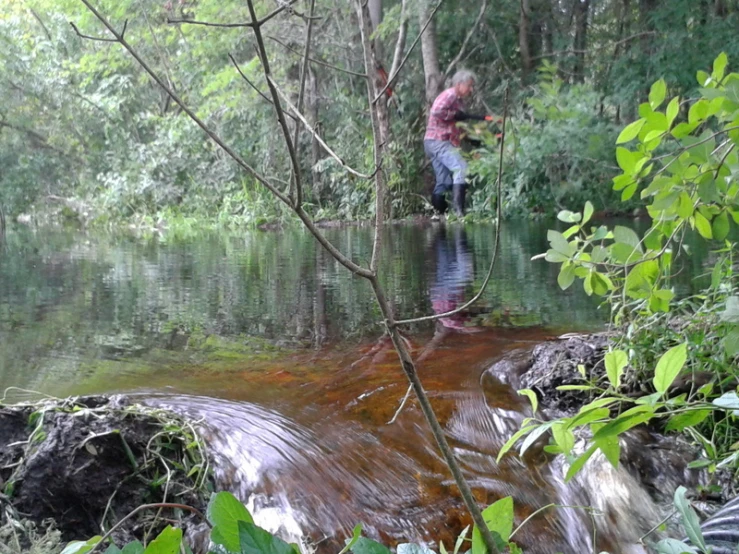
<point>595,48</point>
<point>400,43</point>
<point>252,85</point>
<point>301,94</point>
<point>238,159</point>
<point>471,32</point>
<point>314,60</point>
<point>313,132</point>
<point>335,252</point>
<point>393,76</point>
<point>253,24</point>
<point>262,52</point>
<point>39,140</point>
<point>97,39</point>
<point>208,23</point>
<point>497,238</point>
<point>282,8</point>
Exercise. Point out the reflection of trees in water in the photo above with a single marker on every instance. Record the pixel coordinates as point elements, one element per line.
<point>65,296</point>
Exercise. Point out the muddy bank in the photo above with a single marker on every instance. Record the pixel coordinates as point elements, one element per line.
<point>82,464</point>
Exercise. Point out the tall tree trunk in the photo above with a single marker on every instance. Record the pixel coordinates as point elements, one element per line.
<point>547,30</point>
<point>582,10</point>
<point>524,27</point>
<point>311,113</point>
<point>430,54</point>
<point>375,10</point>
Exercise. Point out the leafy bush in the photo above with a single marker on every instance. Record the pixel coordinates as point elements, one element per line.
<point>692,186</point>
<point>558,152</point>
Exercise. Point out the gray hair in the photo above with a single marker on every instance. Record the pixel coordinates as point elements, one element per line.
<point>462,76</point>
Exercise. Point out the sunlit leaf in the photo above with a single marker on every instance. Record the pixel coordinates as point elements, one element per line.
<point>167,542</point>
<point>669,366</point>
<point>531,395</point>
<point>630,131</point>
<point>499,519</point>
<point>687,419</point>
<point>224,512</point>
<point>578,464</point>
<point>657,94</point>
<point>616,361</point>
<point>689,518</point>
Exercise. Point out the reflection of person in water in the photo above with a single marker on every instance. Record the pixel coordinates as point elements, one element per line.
<point>454,271</point>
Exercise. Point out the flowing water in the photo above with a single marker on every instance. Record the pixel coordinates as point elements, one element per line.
<point>276,350</point>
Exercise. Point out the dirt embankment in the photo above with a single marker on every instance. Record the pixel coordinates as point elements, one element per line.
<point>81,465</point>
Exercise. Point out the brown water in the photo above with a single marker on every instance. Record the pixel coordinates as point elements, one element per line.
<point>276,351</point>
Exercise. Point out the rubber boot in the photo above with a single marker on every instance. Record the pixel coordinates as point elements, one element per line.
<point>460,191</point>
<point>438,201</point>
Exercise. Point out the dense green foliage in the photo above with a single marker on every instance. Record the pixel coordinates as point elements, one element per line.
<point>84,133</point>
<point>685,170</point>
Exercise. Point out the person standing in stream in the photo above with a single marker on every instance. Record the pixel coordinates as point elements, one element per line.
<point>441,142</point>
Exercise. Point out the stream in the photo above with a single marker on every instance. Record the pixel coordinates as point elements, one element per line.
<point>276,351</point>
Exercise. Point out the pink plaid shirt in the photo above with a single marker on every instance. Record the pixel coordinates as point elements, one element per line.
<point>441,124</point>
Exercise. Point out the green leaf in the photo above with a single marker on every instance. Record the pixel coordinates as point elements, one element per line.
<point>669,366</point>
<point>134,547</point>
<point>568,217</point>
<point>720,226</point>
<point>685,207</point>
<point>702,77</point>
<point>657,94</point>
<point>626,160</point>
<point>588,416</point>
<point>616,361</point>
<point>587,212</point>
<point>571,231</point>
<point>697,113</point>
<point>566,276</point>
<point>559,243</point>
<point>630,131</point>
<point>703,226</point>
<point>687,419</point>
<point>630,418</point>
<point>460,539</point>
<point>674,546</point>
<point>499,519</point>
<point>255,540</point>
<point>167,542</point>
<point>628,192</point>
<point>225,512</point>
<point>113,549</point>
<point>627,236</point>
<point>533,436</point>
<point>621,182</point>
<point>574,387</point>
<point>563,437</point>
<point>531,395</point>
<point>731,312</point>
<point>672,110</point>
<point>355,537</point>
<point>611,448</point>
<point>689,518</point>
<point>682,130</point>
<point>578,464</point>
<point>81,547</point>
<point>731,342</point>
<point>514,438</point>
<point>719,66</point>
